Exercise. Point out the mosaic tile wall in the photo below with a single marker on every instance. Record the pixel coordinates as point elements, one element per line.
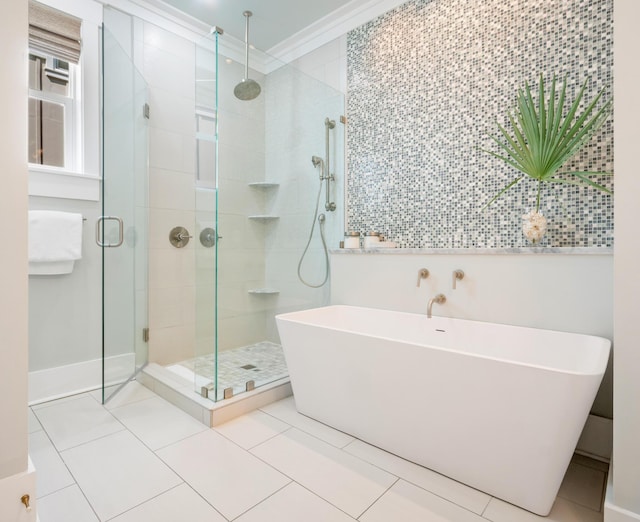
<point>427,82</point>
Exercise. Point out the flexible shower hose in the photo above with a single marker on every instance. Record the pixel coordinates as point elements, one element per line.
<point>321,220</point>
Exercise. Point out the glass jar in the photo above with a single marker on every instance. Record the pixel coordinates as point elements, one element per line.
<point>352,240</point>
<point>371,239</point>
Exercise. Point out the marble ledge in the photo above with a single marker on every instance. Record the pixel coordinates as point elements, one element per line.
<point>476,251</point>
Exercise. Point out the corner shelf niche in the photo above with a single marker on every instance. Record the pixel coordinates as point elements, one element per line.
<point>264,184</point>
<point>264,218</point>
<point>263,291</point>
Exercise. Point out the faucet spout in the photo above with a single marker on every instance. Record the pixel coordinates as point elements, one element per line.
<point>439,299</point>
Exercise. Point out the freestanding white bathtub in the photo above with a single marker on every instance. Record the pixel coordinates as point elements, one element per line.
<point>499,408</point>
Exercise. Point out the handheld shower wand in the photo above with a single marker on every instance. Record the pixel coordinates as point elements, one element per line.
<point>320,219</point>
<point>325,175</point>
<point>317,160</point>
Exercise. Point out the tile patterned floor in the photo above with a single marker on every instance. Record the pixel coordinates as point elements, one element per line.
<point>261,362</point>
<point>140,459</point>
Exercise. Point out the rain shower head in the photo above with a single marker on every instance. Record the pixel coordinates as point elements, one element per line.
<point>247,89</point>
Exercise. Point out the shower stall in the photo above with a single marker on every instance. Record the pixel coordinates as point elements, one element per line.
<point>231,198</point>
<point>255,184</point>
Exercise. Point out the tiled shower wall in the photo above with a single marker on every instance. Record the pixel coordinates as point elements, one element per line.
<point>296,106</point>
<point>427,82</point>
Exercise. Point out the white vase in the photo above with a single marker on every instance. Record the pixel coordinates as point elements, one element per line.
<point>534,225</point>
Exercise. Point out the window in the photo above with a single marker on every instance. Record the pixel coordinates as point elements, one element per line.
<point>54,123</point>
<point>205,148</point>
<point>52,111</point>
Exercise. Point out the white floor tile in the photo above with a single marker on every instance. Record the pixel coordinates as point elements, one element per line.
<point>122,478</point>
<point>74,422</point>
<point>52,475</point>
<point>133,391</point>
<point>294,504</point>
<point>34,424</point>
<point>342,479</point>
<point>562,511</point>
<point>157,422</point>
<point>229,478</point>
<point>285,410</point>
<point>252,429</point>
<point>66,505</point>
<point>442,486</point>
<point>583,485</point>
<point>178,504</point>
<point>408,503</point>
<point>118,472</point>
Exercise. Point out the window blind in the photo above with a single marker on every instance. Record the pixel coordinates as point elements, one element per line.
<point>54,32</point>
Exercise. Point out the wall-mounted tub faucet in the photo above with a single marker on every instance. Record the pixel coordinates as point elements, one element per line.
<point>458,275</point>
<point>423,273</point>
<point>439,299</point>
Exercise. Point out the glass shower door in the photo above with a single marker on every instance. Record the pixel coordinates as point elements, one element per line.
<point>121,231</point>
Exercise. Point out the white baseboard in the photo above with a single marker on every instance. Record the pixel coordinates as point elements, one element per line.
<point>612,512</point>
<point>597,438</point>
<point>62,381</point>
<point>11,491</point>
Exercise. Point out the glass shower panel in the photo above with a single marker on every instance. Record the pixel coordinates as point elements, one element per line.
<point>203,364</point>
<point>122,229</point>
<point>267,189</point>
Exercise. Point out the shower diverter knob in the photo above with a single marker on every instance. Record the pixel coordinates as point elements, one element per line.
<point>208,237</point>
<point>179,237</point>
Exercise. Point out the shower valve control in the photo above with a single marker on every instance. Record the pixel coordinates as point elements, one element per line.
<point>208,237</point>
<point>423,273</point>
<point>179,237</point>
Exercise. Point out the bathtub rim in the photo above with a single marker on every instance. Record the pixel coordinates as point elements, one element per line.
<point>603,356</point>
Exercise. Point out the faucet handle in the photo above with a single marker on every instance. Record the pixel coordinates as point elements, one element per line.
<point>458,275</point>
<point>423,273</point>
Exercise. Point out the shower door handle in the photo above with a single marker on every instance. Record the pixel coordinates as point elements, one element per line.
<point>99,229</point>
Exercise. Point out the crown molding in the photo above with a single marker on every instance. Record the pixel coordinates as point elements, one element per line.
<point>168,17</point>
<point>325,30</point>
<point>330,27</point>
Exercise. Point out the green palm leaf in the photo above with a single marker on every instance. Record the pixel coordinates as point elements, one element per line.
<point>541,139</point>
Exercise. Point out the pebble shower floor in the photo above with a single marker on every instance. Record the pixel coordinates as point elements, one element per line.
<point>262,363</point>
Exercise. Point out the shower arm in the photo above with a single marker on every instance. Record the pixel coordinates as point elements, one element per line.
<point>247,14</point>
<point>329,124</point>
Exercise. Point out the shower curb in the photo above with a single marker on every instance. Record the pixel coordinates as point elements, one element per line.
<point>180,393</point>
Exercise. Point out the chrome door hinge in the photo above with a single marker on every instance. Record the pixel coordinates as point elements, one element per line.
<point>145,110</point>
<point>145,335</point>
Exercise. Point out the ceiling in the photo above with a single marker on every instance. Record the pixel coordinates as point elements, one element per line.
<point>272,22</point>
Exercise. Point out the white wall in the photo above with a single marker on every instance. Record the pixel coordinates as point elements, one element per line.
<point>623,501</point>
<point>327,63</point>
<point>13,267</point>
<point>64,310</point>
<point>13,210</point>
<point>572,293</point>
<point>64,318</point>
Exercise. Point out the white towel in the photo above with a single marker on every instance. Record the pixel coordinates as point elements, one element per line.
<point>55,241</point>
